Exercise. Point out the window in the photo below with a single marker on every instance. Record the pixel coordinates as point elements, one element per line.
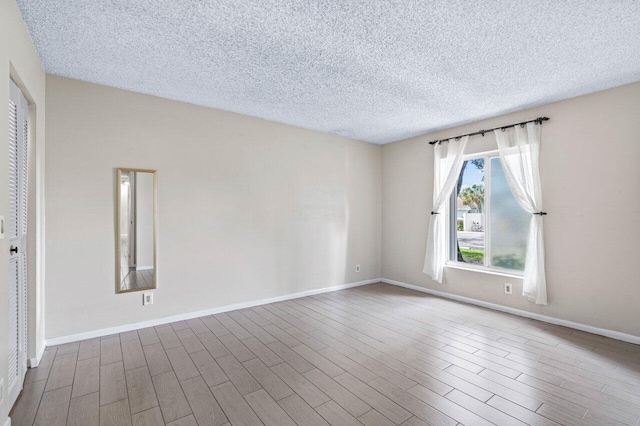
<point>488,228</point>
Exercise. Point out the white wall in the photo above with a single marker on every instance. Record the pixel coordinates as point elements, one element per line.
<point>590,166</point>
<point>469,218</point>
<point>19,60</point>
<point>248,209</point>
<point>144,220</point>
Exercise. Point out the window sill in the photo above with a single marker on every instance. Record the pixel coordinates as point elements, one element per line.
<point>484,270</point>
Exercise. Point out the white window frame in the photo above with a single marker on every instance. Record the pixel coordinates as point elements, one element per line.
<point>451,214</point>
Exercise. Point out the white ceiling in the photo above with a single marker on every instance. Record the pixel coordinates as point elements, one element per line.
<point>378,71</point>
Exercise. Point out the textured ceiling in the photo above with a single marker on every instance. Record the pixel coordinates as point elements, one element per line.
<point>378,71</point>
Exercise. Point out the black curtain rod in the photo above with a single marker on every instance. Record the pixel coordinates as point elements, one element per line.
<point>538,120</point>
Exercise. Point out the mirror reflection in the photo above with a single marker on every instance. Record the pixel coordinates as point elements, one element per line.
<point>136,225</point>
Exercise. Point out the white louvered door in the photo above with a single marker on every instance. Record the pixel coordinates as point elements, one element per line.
<point>17,234</point>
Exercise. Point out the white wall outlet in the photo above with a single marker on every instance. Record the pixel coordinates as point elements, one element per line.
<point>1,390</point>
<point>1,227</point>
<point>357,268</point>
<point>147,298</point>
<point>508,288</point>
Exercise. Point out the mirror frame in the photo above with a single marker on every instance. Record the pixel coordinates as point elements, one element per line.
<point>155,228</point>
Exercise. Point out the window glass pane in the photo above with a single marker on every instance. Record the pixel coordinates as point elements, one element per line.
<point>509,223</point>
<point>470,213</point>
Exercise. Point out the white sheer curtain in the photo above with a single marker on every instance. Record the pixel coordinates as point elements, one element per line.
<point>519,155</point>
<point>447,163</point>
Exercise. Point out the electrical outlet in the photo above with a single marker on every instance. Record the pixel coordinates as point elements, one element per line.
<point>508,288</point>
<point>1,390</point>
<point>147,298</point>
<point>357,268</point>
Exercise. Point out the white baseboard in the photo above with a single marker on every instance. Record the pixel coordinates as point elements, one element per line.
<point>34,362</point>
<point>551,320</point>
<point>150,323</point>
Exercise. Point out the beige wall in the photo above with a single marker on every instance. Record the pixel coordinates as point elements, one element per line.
<point>248,209</point>
<point>19,60</point>
<point>251,209</point>
<point>590,167</point>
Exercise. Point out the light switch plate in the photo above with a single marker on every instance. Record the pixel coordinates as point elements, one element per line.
<point>147,298</point>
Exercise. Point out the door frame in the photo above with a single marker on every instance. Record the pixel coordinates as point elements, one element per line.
<point>132,241</point>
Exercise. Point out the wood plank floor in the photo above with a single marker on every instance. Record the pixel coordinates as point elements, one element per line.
<point>371,355</point>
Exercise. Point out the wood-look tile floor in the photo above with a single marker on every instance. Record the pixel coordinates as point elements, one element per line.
<point>372,355</point>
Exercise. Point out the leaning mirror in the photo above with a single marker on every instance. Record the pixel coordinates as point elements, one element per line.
<point>136,265</point>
